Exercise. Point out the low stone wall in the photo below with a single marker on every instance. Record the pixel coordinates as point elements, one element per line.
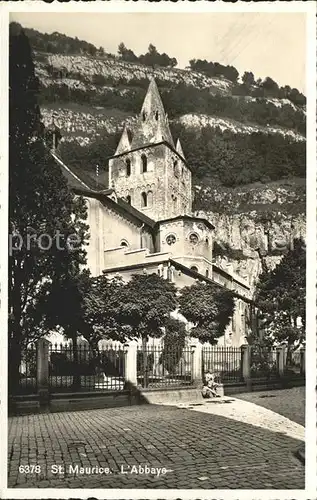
<point>260,385</point>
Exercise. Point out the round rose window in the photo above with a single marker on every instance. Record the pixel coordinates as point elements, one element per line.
<point>193,238</point>
<point>170,239</point>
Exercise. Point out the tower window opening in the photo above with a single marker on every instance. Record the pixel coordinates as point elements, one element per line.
<point>128,199</point>
<point>124,243</point>
<point>143,200</point>
<point>207,273</point>
<point>194,268</point>
<point>144,163</point>
<point>207,241</point>
<point>128,166</point>
<point>156,115</point>
<point>175,166</point>
<point>144,116</point>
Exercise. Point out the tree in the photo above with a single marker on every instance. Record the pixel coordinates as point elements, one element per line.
<point>126,54</point>
<point>248,78</point>
<point>209,308</point>
<point>102,311</point>
<point>145,305</point>
<point>44,216</point>
<point>281,298</point>
<point>174,343</point>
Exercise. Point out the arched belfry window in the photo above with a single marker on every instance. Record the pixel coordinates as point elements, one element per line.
<point>143,200</point>
<point>128,166</point>
<point>194,268</point>
<point>144,163</point>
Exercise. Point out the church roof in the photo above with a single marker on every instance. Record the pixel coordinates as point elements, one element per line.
<point>120,205</point>
<point>79,179</point>
<point>188,218</point>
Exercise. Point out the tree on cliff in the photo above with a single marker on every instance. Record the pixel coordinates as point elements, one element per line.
<point>43,214</point>
<point>209,308</point>
<point>281,298</point>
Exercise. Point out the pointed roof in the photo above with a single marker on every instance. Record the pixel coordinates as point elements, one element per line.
<point>124,143</point>
<point>152,125</point>
<point>179,149</point>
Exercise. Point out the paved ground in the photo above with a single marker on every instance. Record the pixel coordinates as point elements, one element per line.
<point>287,402</point>
<point>198,449</point>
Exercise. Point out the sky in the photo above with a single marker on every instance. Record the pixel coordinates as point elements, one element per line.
<point>268,44</point>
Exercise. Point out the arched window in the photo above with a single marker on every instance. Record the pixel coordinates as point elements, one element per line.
<point>128,166</point>
<point>194,268</point>
<point>143,200</point>
<point>128,199</point>
<point>144,163</point>
<point>144,116</point>
<point>207,273</point>
<point>124,243</point>
<point>207,241</point>
<point>156,115</point>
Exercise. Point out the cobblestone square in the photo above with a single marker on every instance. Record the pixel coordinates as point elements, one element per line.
<point>153,446</point>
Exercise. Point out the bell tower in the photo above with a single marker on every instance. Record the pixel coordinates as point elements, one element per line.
<point>147,169</point>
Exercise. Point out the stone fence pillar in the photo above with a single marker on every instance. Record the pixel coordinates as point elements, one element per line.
<point>196,350</point>
<point>280,352</point>
<point>130,366</point>
<point>42,370</point>
<point>246,363</point>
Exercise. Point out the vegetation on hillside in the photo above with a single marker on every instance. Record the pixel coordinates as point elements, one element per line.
<point>249,86</point>
<point>151,58</point>
<point>178,100</point>
<point>58,43</point>
<point>227,158</point>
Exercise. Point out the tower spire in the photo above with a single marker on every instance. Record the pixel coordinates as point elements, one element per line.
<point>152,122</point>
<point>124,143</point>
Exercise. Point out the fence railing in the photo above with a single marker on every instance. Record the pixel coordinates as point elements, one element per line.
<point>264,362</point>
<point>225,362</point>
<point>164,367</point>
<point>48,368</point>
<point>83,368</point>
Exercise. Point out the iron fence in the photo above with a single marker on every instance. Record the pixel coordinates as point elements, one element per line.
<point>28,379</point>
<point>159,366</point>
<point>224,362</point>
<point>264,362</point>
<point>82,368</point>
<point>295,362</point>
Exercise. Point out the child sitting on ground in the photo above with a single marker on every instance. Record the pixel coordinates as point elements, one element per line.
<point>210,386</point>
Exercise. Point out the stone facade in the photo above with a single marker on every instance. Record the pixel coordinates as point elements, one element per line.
<point>147,169</point>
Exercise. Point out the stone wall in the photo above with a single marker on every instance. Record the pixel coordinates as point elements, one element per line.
<point>168,194</point>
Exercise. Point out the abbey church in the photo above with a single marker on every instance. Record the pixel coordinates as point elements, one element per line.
<point>140,214</point>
